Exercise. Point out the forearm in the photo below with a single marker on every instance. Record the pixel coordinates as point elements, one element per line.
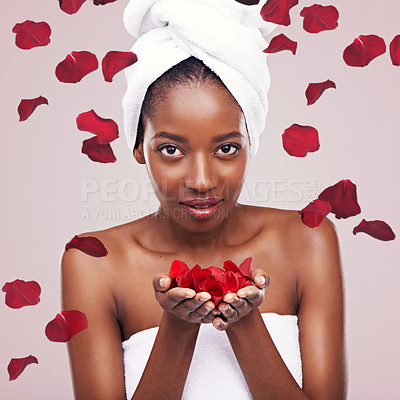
<point>166,370</point>
<point>263,368</point>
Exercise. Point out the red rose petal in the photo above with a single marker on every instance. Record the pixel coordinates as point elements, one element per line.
<point>230,282</point>
<point>215,272</point>
<point>231,266</point>
<point>105,129</point>
<point>98,152</point>
<point>65,325</point>
<point>102,2</point>
<point>20,293</point>
<point>395,50</point>
<point>363,50</point>
<point>244,267</point>
<point>280,43</point>
<point>71,6</point>
<point>17,365</point>
<point>377,229</point>
<point>314,213</point>
<point>343,199</point>
<point>115,61</point>
<point>315,90</point>
<point>319,18</point>
<point>27,107</point>
<point>277,11</point>
<point>75,66</point>
<point>31,34</point>
<point>298,140</point>
<point>215,288</point>
<point>88,244</point>
<point>200,276</point>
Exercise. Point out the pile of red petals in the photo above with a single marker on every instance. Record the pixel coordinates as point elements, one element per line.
<point>216,281</point>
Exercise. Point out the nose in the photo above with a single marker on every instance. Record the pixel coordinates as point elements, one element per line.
<point>200,176</point>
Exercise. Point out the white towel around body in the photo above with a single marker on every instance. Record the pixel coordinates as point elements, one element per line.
<point>214,372</point>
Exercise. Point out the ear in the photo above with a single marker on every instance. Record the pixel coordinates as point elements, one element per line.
<point>139,155</point>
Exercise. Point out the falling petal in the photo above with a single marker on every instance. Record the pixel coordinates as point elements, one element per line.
<point>319,18</point>
<point>313,214</point>
<point>115,61</point>
<point>395,50</point>
<point>31,34</point>
<point>377,229</point>
<point>76,66</point>
<point>98,152</point>
<point>277,11</point>
<point>102,2</point>
<point>20,293</point>
<point>363,50</point>
<point>298,140</point>
<point>280,43</point>
<point>343,199</point>
<point>315,90</point>
<point>88,244</point>
<point>27,107</point>
<point>17,365</point>
<point>71,6</point>
<point>65,325</point>
<point>105,129</point>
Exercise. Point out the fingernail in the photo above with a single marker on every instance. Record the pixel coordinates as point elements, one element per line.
<point>209,307</point>
<point>163,281</point>
<point>218,324</point>
<point>261,279</point>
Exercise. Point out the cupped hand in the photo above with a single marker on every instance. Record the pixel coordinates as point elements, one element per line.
<point>183,302</point>
<point>235,306</point>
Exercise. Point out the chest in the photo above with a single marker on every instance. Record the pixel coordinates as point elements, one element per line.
<point>138,309</point>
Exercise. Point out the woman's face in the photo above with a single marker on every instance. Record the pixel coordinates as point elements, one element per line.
<point>196,150</point>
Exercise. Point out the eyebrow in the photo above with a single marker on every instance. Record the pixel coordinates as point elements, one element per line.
<point>183,139</point>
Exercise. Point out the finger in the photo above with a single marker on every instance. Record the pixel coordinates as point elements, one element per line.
<point>219,324</point>
<point>226,310</point>
<point>238,303</point>
<point>171,298</point>
<point>193,303</point>
<point>204,310</point>
<point>261,278</point>
<point>161,282</point>
<point>249,292</point>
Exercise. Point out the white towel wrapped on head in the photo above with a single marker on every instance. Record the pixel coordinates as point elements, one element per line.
<point>226,35</point>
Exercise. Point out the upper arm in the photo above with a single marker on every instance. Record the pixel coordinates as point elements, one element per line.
<point>95,353</point>
<point>321,315</point>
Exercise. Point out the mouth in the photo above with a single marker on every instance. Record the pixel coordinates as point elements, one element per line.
<point>202,208</point>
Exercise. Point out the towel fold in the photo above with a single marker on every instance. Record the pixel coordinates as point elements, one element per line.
<point>226,35</point>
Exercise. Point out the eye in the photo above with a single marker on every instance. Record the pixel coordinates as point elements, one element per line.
<point>169,150</point>
<point>229,149</point>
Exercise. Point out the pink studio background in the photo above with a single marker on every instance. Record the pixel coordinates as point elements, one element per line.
<point>51,191</point>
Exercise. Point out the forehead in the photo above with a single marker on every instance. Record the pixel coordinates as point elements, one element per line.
<point>189,110</point>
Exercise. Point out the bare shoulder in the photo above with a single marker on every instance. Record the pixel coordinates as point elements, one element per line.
<point>84,275</point>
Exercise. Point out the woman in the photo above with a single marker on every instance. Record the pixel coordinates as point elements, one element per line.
<point>194,138</point>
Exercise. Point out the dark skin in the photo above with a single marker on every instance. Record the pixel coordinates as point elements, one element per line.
<point>296,270</point>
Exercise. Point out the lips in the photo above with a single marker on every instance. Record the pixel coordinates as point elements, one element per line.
<point>202,208</point>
